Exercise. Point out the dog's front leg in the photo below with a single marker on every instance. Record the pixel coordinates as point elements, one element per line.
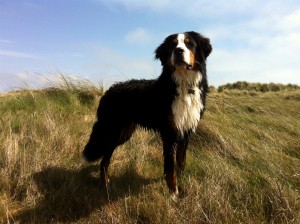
<point>169,166</point>
<point>181,152</point>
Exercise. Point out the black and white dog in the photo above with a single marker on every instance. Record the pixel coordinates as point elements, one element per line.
<point>171,105</point>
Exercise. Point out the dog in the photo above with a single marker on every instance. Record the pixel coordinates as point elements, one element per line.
<point>171,105</point>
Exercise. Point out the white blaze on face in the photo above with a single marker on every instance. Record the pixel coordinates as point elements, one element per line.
<point>186,51</point>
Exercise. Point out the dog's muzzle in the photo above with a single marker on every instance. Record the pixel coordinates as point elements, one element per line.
<point>179,61</point>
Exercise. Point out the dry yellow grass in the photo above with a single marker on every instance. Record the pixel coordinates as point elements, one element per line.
<point>242,163</point>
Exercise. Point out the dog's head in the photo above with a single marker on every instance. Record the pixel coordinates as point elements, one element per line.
<point>184,51</point>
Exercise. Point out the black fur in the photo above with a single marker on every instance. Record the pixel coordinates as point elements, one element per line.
<point>146,103</point>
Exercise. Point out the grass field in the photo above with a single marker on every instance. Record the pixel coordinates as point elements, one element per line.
<point>243,163</point>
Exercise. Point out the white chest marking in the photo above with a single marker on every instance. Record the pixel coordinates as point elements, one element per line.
<point>186,106</point>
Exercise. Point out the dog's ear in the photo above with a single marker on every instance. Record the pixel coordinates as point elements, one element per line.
<point>203,43</point>
<point>164,51</point>
<point>161,53</point>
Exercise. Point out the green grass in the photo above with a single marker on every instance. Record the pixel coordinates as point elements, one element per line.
<point>243,163</point>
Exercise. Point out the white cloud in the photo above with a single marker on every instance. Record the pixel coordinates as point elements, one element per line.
<point>205,9</point>
<point>291,21</point>
<point>138,36</point>
<point>13,81</point>
<point>4,41</point>
<point>16,54</point>
<point>114,66</point>
<point>271,60</point>
<point>265,48</point>
<point>155,5</point>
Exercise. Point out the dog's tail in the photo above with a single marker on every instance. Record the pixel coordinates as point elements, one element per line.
<point>92,151</point>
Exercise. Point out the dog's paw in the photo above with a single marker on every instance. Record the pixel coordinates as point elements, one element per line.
<point>178,194</point>
<point>174,197</point>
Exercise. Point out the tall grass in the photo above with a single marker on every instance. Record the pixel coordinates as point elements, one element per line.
<point>242,163</point>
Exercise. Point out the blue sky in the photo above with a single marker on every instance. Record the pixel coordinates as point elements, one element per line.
<point>114,40</point>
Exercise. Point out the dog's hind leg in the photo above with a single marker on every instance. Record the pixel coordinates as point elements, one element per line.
<point>104,177</point>
<point>120,137</point>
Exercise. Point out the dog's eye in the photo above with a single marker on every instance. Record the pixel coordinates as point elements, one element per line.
<point>189,44</point>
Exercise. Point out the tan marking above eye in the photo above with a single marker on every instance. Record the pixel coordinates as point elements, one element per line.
<point>187,40</point>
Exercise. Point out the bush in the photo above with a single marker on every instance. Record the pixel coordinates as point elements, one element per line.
<point>259,87</point>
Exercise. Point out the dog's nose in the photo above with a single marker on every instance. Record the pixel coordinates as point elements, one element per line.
<point>178,51</point>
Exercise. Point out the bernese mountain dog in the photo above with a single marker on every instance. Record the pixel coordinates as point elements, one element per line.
<point>171,105</point>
